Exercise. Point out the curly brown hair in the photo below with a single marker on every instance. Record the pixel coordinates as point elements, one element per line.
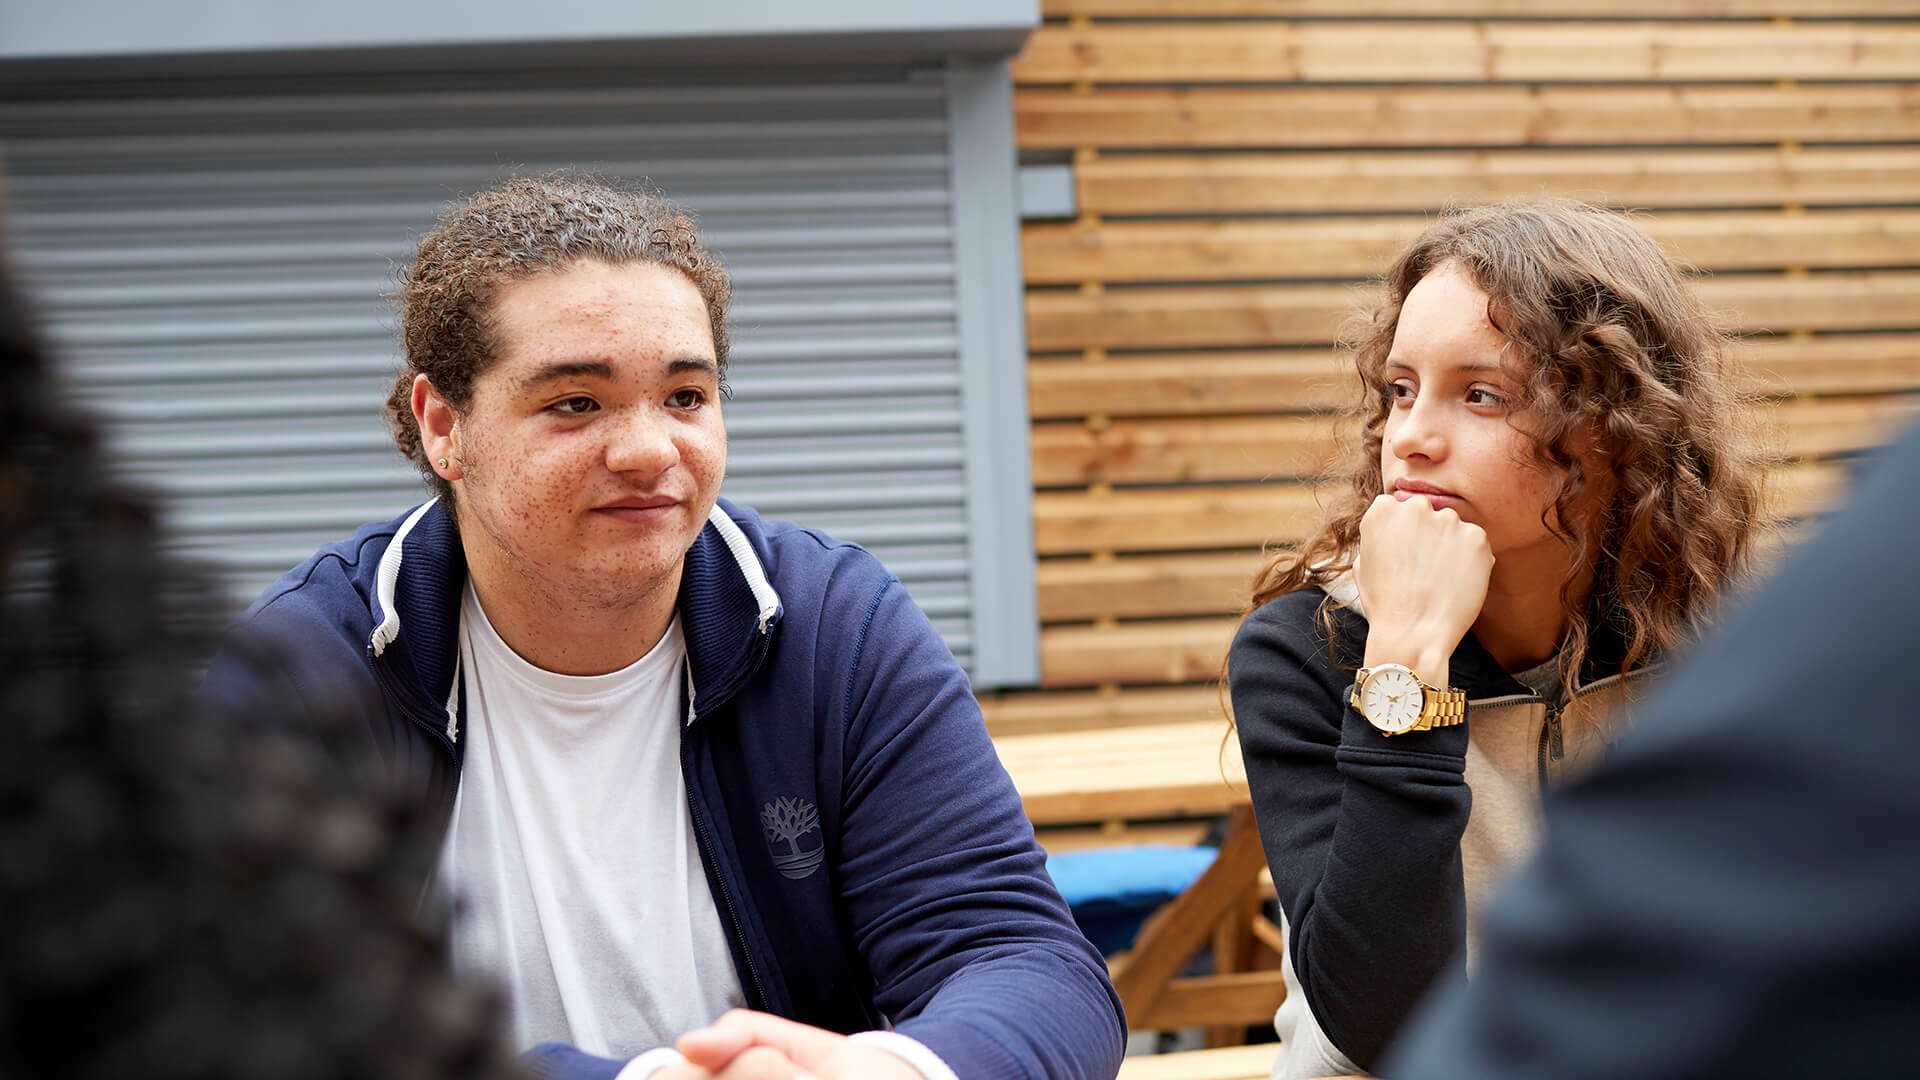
<point>1624,356</point>
<point>527,226</point>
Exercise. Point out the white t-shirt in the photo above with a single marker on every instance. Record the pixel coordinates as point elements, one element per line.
<point>570,861</point>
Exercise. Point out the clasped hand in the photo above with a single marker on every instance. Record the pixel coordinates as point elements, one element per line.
<point>745,1045</point>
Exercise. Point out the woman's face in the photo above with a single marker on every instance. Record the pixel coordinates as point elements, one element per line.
<point>1453,432</point>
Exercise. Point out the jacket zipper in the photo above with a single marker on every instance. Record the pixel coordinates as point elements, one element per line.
<point>1551,744</point>
<point>705,840</point>
<point>393,691</point>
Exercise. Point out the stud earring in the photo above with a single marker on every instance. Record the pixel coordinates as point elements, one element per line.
<point>443,463</point>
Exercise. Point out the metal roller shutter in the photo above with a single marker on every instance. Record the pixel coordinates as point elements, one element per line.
<point>212,261</point>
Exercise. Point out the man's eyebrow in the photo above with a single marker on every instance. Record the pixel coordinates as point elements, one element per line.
<point>692,363</point>
<point>567,369</point>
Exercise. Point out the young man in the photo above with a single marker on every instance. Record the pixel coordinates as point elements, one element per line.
<point>689,760</point>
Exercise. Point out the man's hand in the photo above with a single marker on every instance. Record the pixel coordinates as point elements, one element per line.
<point>745,1045</point>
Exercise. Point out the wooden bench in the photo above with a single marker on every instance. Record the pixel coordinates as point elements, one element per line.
<point>1228,1063</point>
<point>1162,771</point>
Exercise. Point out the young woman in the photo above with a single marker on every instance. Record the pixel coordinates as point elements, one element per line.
<point>1547,494</point>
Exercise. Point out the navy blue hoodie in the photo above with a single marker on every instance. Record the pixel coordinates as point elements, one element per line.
<point>814,678</point>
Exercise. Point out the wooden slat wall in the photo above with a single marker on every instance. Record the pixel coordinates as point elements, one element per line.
<point>1242,167</point>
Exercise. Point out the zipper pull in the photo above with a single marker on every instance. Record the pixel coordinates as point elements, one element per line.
<point>1556,746</point>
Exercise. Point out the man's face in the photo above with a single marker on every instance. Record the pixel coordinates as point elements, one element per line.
<point>593,448</point>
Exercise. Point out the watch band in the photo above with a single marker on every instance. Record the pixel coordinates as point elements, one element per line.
<point>1438,708</point>
<point>1443,708</point>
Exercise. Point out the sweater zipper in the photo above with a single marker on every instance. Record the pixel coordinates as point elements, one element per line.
<point>1551,745</point>
<point>705,840</point>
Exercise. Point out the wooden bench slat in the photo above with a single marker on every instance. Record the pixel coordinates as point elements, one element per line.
<point>1357,247</point>
<point>1489,116</point>
<point>1249,515</point>
<point>1333,183</point>
<point>1162,451</point>
<point>1558,51</point>
<point>1228,316</point>
<point>1168,770</point>
<point>1240,999</point>
<point>1348,9</point>
<point>1061,840</point>
<point>1284,380</point>
<point>1227,1063</point>
<point>1032,712</point>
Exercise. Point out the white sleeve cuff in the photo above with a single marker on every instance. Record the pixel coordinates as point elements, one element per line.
<point>644,1066</point>
<point>906,1048</point>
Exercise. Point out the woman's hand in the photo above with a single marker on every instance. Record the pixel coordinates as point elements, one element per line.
<point>1422,575</point>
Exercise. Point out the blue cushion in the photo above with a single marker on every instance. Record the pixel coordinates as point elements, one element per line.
<point>1112,890</point>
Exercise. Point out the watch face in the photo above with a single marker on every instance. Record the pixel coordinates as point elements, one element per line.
<point>1392,699</point>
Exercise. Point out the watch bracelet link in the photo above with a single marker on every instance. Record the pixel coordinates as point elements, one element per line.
<point>1446,708</point>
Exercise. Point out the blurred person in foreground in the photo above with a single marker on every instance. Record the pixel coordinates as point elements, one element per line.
<point>187,892</point>
<point>690,763</point>
<point>1736,891</point>
<point>1549,493</point>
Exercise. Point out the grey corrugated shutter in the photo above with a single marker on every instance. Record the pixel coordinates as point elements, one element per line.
<point>212,260</point>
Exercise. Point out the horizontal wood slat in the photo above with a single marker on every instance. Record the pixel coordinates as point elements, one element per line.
<point>1286,380</point>
<point>1229,448</point>
<point>1031,712</point>
<point>1164,651</point>
<point>1334,183</point>
<point>1145,586</point>
<point>1173,519</point>
<point>1249,515</point>
<point>1242,999</point>
<point>1227,316</point>
<point>1357,247</point>
<point>1573,9</point>
<point>1171,451</point>
<point>1442,117</point>
<point>1191,384</point>
<point>1494,52</point>
<point>1165,770</point>
<point>1227,1063</point>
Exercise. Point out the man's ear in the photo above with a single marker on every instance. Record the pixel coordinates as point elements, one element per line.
<point>439,429</point>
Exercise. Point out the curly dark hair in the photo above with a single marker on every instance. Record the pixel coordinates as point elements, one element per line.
<point>1620,348</point>
<point>524,227</point>
<point>190,892</point>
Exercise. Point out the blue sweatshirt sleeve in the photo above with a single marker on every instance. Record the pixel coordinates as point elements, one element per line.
<point>972,950</point>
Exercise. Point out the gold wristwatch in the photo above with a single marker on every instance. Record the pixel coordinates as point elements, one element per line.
<point>1394,700</point>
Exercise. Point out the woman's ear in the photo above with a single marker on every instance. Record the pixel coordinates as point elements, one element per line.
<point>439,427</point>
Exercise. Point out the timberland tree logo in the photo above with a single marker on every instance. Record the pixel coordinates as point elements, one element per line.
<point>786,821</point>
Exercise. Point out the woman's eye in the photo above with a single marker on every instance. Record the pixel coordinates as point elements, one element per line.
<point>688,399</point>
<point>1481,396</point>
<point>1397,391</point>
<point>575,406</point>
